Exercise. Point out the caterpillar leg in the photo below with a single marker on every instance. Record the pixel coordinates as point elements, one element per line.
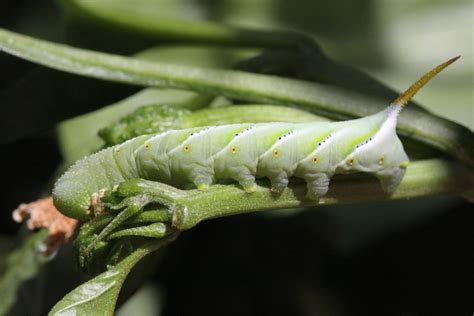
<point>244,177</point>
<point>317,185</point>
<point>247,181</point>
<point>203,182</point>
<point>279,183</point>
<point>199,176</point>
<point>390,178</point>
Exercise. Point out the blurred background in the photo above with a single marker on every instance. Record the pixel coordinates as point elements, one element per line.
<point>392,258</point>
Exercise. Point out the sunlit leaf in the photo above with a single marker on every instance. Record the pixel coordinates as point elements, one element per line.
<point>99,295</point>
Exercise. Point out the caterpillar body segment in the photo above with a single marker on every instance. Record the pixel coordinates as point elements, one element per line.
<point>75,192</point>
<point>199,157</point>
<point>242,152</point>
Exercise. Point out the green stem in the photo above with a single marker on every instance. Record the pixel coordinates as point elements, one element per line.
<point>423,178</point>
<point>318,98</point>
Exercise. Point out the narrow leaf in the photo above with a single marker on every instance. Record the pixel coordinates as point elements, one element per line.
<point>99,295</point>
<point>171,20</point>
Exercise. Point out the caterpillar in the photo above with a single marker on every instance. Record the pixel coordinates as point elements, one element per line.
<point>201,156</point>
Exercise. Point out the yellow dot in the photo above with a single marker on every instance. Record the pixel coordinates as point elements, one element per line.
<point>117,151</point>
<point>404,164</point>
<point>315,159</point>
<point>186,148</point>
<point>233,150</point>
<point>147,146</point>
<point>276,153</point>
<point>351,162</point>
<point>381,160</point>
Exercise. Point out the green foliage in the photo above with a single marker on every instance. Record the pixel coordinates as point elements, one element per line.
<point>220,80</point>
<point>98,296</point>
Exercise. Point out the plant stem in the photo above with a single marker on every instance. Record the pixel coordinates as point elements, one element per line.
<point>423,178</point>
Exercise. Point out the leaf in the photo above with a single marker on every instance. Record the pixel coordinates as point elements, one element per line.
<point>99,295</point>
<point>327,100</point>
<point>182,20</point>
<point>20,265</point>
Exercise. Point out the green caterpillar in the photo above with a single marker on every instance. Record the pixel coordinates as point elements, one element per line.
<point>242,152</point>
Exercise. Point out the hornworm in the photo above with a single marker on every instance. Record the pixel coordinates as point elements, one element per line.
<point>201,156</point>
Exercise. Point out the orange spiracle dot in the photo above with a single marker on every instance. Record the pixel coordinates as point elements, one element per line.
<point>186,148</point>
<point>315,159</point>
<point>381,160</point>
<point>233,150</point>
<point>276,153</point>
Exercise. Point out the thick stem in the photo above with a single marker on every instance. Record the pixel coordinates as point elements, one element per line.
<point>423,178</point>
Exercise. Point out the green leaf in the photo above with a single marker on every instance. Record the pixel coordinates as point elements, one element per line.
<point>20,265</point>
<point>99,295</point>
<point>327,100</point>
<point>174,20</point>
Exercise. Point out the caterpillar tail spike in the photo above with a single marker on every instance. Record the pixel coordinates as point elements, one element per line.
<point>403,99</point>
